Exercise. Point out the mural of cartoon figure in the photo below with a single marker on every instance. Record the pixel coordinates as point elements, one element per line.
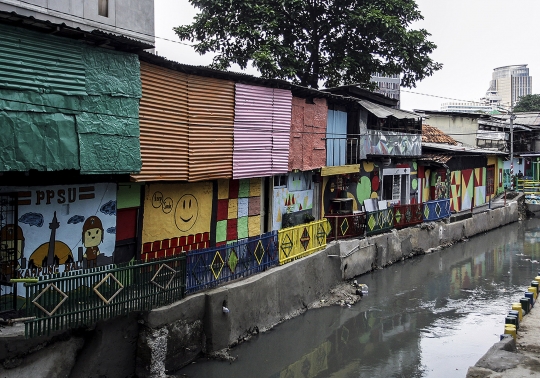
<point>53,253</point>
<point>11,248</point>
<point>92,236</point>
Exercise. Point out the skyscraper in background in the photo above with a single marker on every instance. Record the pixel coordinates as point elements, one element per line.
<point>511,83</point>
<point>388,86</point>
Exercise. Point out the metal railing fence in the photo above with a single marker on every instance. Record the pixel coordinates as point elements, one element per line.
<point>74,299</point>
<point>213,266</point>
<point>344,226</point>
<point>379,221</point>
<point>436,209</point>
<point>302,240</point>
<point>407,215</point>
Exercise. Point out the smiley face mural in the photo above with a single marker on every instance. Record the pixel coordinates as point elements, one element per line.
<point>177,210</point>
<point>186,212</point>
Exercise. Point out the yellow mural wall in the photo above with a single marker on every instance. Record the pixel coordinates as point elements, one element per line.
<point>173,210</point>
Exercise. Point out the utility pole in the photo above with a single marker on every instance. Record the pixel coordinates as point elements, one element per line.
<point>512,117</point>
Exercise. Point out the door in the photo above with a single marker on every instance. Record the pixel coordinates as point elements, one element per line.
<point>11,249</point>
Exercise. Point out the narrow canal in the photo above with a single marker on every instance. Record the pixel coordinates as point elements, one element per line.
<point>431,316</point>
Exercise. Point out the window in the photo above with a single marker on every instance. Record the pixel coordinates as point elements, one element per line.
<point>103,8</point>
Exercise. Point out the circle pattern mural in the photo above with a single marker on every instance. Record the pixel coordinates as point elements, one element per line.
<point>363,189</point>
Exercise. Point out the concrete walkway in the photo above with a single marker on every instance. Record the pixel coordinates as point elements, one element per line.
<point>509,359</point>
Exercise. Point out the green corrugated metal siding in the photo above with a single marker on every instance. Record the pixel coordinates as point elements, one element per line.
<point>67,105</point>
<point>38,62</point>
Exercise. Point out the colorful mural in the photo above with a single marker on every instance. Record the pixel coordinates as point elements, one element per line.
<point>455,191</point>
<point>378,142</point>
<point>175,210</point>
<point>62,228</point>
<point>238,210</point>
<point>479,186</point>
<point>358,186</point>
<point>296,196</point>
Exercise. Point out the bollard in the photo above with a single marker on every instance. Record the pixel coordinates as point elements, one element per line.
<point>537,278</point>
<point>517,307</point>
<point>516,314</point>
<point>510,329</point>
<point>525,305</point>
<point>531,299</point>
<point>532,289</point>
<point>511,320</point>
<point>535,285</point>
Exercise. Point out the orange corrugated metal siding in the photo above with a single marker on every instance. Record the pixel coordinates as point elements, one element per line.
<point>164,124</point>
<point>211,120</point>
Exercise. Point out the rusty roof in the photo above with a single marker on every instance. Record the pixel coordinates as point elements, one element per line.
<point>432,134</point>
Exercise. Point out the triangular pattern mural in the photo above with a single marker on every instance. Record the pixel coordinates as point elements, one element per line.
<point>455,191</point>
<point>467,189</point>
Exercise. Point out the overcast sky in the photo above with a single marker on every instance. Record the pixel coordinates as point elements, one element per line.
<point>473,38</point>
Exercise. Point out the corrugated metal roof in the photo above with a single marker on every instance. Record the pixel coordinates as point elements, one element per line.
<point>460,148</point>
<point>95,37</point>
<point>211,120</point>
<point>41,63</point>
<point>381,111</point>
<point>164,125</point>
<point>431,134</point>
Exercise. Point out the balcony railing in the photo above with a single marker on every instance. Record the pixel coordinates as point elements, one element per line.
<point>346,225</point>
<point>342,151</point>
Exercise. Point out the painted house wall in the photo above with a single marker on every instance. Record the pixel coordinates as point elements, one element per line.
<point>238,210</point>
<point>295,196</point>
<point>177,218</point>
<point>65,221</point>
<point>308,127</point>
<point>87,95</point>
<point>360,186</point>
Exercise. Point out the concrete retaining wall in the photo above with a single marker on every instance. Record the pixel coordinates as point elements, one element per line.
<point>163,340</point>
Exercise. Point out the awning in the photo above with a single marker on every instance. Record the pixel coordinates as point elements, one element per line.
<point>381,111</point>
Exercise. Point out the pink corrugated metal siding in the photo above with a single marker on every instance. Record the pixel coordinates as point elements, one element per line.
<point>261,131</point>
<point>281,130</point>
<point>307,145</point>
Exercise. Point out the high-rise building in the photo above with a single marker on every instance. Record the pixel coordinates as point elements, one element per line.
<point>388,85</point>
<point>511,83</point>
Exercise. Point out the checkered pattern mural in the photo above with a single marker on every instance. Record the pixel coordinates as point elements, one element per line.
<point>238,210</point>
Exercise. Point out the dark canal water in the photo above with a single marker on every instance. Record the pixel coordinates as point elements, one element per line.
<point>431,316</point>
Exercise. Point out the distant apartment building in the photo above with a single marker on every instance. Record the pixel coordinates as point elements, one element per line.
<point>511,83</point>
<point>129,18</point>
<point>488,104</point>
<point>388,86</point>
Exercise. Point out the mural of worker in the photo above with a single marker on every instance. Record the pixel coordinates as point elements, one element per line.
<point>92,236</point>
<point>11,249</point>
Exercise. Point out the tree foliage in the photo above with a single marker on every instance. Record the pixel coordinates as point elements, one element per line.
<point>528,103</point>
<point>337,42</point>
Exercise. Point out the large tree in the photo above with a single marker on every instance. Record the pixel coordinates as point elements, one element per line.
<point>337,42</point>
<point>528,103</point>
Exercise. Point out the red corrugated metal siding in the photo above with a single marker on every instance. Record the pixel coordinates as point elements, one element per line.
<point>261,131</point>
<point>211,120</point>
<point>164,124</point>
<point>308,130</point>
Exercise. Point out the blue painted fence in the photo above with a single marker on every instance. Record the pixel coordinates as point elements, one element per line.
<point>436,209</point>
<point>213,266</point>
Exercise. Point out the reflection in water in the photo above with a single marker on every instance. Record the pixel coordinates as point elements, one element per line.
<point>431,316</point>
